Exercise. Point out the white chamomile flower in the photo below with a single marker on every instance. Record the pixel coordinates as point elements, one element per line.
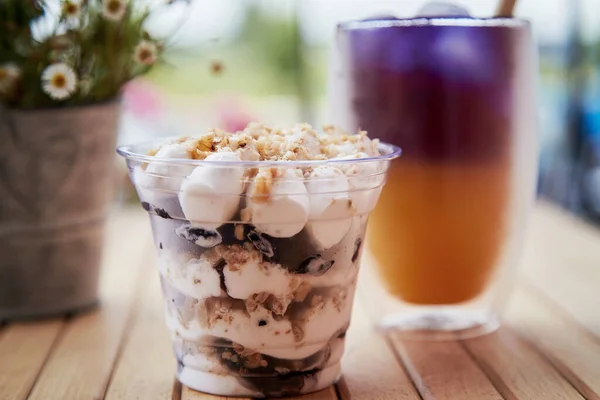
<point>145,53</point>
<point>59,81</point>
<point>113,10</point>
<point>71,10</point>
<point>9,74</point>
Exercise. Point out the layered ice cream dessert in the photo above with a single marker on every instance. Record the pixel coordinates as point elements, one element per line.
<point>259,234</point>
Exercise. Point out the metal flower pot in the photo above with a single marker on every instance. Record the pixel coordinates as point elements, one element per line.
<point>56,183</point>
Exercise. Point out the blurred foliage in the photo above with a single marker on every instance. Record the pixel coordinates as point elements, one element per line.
<point>272,39</point>
<point>98,47</point>
<point>266,57</point>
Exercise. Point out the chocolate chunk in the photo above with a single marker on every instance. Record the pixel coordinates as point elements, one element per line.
<point>163,231</point>
<point>200,236</point>
<point>290,252</point>
<point>219,266</point>
<point>161,212</point>
<point>229,233</point>
<point>357,247</point>
<point>277,317</point>
<point>282,385</point>
<point>314,265</point>
<point>268,375</point>
<point>261,243</point>
<point>262,322</point>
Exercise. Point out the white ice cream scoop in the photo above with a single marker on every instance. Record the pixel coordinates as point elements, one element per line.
<point>365,180</point>
<point>164,177</point>
<point>197,279</point>
<point>210,195</point>
<point>169,171</point>
<point>331,208</point>
<point>285,212</point>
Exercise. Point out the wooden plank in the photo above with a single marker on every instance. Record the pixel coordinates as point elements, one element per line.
<point>371,372</point>
<point>438,370</point>
<point>444,370</point>
<point>567,345</point>
<point>561,260</point>
<point>190,394</point>
<point>24,347</point>
<point>177,389</point>
<point>147,365</point>
<point>516,369</point>
<point>82,361</point>
<point>325,394</point>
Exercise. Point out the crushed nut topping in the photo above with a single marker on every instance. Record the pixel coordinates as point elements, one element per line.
<point>302,291</point>
<point>258,142</point>
<point>298,333</point>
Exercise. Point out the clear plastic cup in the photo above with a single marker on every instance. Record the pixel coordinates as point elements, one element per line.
<point>259,285</point>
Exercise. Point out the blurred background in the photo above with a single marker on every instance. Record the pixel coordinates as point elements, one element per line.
<point>235,61</point>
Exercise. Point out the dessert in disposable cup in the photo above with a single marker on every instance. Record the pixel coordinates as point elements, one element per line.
<point>259,235</point>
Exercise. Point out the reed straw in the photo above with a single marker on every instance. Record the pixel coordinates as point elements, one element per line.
<point>506,8</point>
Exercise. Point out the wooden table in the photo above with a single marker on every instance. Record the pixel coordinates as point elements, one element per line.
<point>548,348</point>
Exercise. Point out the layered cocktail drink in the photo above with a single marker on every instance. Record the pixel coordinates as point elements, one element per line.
<point>457,95</point>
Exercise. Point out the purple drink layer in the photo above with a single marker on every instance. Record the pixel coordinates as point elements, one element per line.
<point>441,92</point>
<point>455,94</point>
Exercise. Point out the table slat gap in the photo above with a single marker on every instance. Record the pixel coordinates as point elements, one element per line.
<point>568,274</point>
<point>565,372</point>
<point>371,369</point>
<point>559,310</point>
<point>137,370</point>
<point>572,299</point>
<point>25,347</point>
<point>341,389</point>
<point>569,346</point>
<point>502,388</point>
<point>177,389</point>
<point>516,369</point>
<point>403,366</point>
<point>81,363</point>
<point>444,370</point>
<point>55,342</point>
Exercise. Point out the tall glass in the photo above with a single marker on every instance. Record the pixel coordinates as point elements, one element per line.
<point>458,96</point>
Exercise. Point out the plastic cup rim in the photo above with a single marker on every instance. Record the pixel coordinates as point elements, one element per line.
<point>389,152</point>
<point>492,22</point>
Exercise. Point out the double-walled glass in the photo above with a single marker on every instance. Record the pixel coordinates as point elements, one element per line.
<point>258,290</point>
<point>458,95</point>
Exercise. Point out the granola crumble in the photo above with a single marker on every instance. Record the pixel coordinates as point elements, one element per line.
<point>258,142</point>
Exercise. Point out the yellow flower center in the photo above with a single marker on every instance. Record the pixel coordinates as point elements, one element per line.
<point>145,55</point>
<point>59,81</point>
<point>114,6</point>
